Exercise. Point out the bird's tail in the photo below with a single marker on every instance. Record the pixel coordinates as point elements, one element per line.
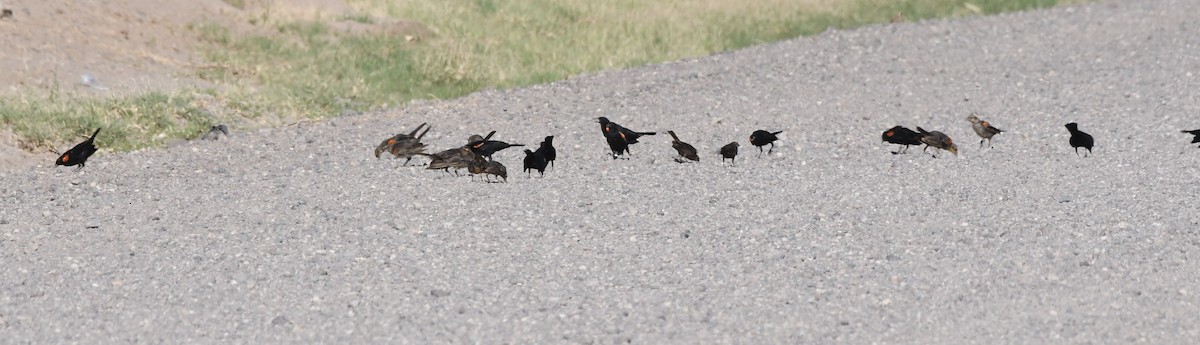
<point>489,136</point>
<point>94,134</point>
<point>672,133</point>
<point>776,133</point>
<point>1193,132</point>
<point>922,130</point>
<point>516,145</point>
<point>423,133</point>
<point>415,130</point>
<point>647,133</point>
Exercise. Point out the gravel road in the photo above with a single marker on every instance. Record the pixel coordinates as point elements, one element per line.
<point>299,234</point>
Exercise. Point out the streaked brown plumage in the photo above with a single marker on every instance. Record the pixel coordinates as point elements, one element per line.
<point>983,129</point>
<point>937,140</point>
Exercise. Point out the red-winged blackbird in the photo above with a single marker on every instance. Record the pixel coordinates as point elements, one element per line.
<point>457,158</point>
<point>761,138</point>
<point>546,149</point>
<point>616,143</point>
<point>685,150</point>
<point>900,135</point>
<point>79,154</point>
<point>1080,139</point>
<point>485,147</point>
<point>495,168</point>
<point>535,161</point>
<point>937,140</point>
<point>215,132</point>
<point>619,138</point>
<point>984,129</point>
<point>1196,133</point>
<point>729,151</point>
<point>386,145</point>
<point>407,148</point>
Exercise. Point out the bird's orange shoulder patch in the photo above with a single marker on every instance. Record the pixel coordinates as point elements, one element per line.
<point>890,133</point>
<point>985,124</point>
<point>391,141</point>
<point>64,158</point>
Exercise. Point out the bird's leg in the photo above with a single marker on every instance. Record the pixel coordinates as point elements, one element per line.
<point>981,143</point>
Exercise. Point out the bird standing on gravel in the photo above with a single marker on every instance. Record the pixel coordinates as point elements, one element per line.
<point>984,129</point>
<point>79,154</point>
<point>900,135</point>
<point>409,147</point>
<point>497,169</point>
<point>386,145</point>
<point>546,149</point>
<point>1196,133</point>
<point>535,160</point>
<point>486,147</point>
<point>685,150</point>
<point>937,140</point>
<point>619,138</point>
<point>1080,139</point>
<point>729,151</point>
<point>761,138</point>
<point>457,158</point>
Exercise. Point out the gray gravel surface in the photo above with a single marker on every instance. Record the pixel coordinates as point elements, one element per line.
<point>299,234</point>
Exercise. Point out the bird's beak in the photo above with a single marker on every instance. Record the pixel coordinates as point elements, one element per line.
<point>954,150</point>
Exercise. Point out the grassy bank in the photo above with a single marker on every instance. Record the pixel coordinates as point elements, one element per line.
<point>310,70</point>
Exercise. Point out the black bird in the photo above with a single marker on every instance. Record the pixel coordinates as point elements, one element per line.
<point>685,150</point>
<point>535,161</point>
<point>761,138</point>
<point>386,145</point>
<point>614,132</point>
<point>1196,133</point>
<point>616,143</point>
<point>79,154</point>
<point>483,146</point>
<point>729,151</point>
<point>546,149</point>
<point>1080,139</point>
<point>900,135</point>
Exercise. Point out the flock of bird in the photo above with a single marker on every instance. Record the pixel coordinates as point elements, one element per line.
<point>476,155</point>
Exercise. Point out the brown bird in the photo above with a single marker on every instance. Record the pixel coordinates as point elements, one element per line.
<point>937,140</point>
<point>79,154</point>
<point>984,129</point>
<point>386,145</point>
<point>457,158</point>
<point>407,148</point>
<point>476,165</point>
<point>495,168</point>
<point>685,150</point>
<point>729,151</point>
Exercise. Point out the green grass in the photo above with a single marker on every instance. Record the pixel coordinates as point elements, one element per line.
<point>129,123</point>
<point>303,70</point>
